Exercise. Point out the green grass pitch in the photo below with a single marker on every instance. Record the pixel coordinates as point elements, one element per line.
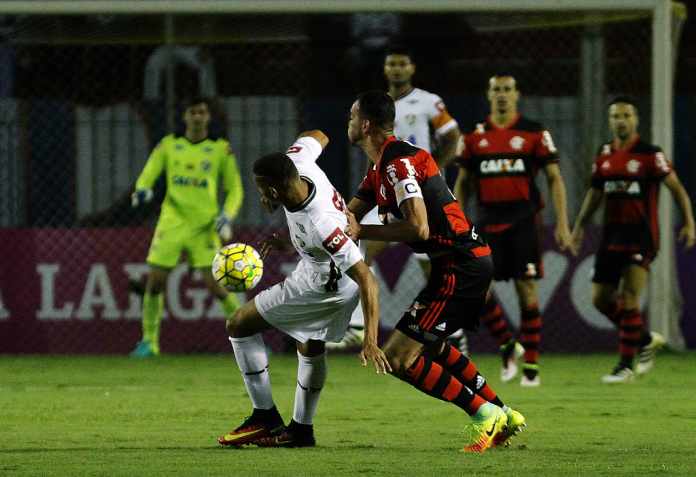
<point>116,416</point>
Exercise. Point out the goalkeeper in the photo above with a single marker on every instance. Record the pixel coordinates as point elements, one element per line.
<point>190,219</point>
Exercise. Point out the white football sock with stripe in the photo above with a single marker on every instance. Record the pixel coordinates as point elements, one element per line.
<point>311,376</point>
<point>252,360</point>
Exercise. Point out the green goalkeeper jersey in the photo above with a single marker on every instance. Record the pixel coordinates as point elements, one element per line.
<point>193,171</point>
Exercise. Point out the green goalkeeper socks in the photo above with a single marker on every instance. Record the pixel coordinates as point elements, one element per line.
<point>230,304</point>
<point>153,305</point>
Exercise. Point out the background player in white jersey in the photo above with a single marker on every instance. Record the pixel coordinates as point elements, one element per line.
<point>313,305</point>
<point>421,119</point>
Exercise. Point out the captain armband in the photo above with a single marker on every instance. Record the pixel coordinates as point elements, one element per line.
<point>406,189</point>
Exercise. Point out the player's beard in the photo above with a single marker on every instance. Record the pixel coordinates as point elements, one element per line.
<point>502,106</point>
<point>622,133</point>
<point>354,137</point>
<point>399,83</point>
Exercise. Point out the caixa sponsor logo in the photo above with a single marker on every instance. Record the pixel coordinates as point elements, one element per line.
<point>189,181</point>
<point>622,187</point>
<point>496,166</point>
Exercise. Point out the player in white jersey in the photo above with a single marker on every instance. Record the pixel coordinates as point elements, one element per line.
<point>312,305</point>
<point>419,114</point>
<point>423,120</point>
<point>421,117</point>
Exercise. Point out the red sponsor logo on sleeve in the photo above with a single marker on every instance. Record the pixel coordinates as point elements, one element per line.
<point>294,150</point>
<point>335,241</point>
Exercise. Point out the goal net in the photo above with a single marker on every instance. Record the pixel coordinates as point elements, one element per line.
<point>88,88</point>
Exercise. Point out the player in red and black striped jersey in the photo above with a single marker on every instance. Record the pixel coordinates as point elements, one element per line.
<point>423,120</point>
<point>416,207</point>
<point>627,173</point>
<point>500,158</point>
<point>407,171</point>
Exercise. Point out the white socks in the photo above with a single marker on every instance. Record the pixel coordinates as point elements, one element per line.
<point>253,363</point>
<point>311,375</point>
<point>252,360</point>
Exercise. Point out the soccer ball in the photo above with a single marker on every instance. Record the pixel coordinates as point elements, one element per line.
<point>237,267</point>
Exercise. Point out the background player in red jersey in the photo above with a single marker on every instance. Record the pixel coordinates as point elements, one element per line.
<point>627,173</point>
<point>500,158</point>
<point>416,207</point>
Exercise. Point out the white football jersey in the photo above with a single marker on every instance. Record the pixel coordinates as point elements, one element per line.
<point>416,113</point>
<point>317,225</point>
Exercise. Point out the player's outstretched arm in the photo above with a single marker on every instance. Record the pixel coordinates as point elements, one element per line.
<point>321,138</point>
<point>414,227</point>
<point>557,190</point>
<point>589,205</point>
<point>274,242</point>
<point>687,234</point>
<point>369,298</point>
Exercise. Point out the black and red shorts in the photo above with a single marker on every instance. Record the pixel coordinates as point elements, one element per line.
<point>610,264</point>
<point>517,249</point>
<point>452,299</point>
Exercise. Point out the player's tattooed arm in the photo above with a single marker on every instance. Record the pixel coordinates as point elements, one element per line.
<point>687,234</point>
<point>369,298</point>
<point>589,206</point>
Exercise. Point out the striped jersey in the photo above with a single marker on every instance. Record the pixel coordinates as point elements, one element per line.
<point>630,179</point>
<point>504,163</point>
<point>405,171</point>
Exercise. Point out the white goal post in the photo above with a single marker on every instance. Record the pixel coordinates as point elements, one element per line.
<point>664,299</point>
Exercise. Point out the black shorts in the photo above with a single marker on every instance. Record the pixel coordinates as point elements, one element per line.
<point>610,265</point>
<point>452,299</point>
<point>517,250</point>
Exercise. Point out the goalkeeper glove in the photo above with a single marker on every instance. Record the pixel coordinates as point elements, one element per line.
<point>140,197</point>
<point>223,225</point>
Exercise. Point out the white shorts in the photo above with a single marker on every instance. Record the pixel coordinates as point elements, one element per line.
<point>300,307</point>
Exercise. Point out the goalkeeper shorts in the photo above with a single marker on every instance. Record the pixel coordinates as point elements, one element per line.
<point>200,244</point>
